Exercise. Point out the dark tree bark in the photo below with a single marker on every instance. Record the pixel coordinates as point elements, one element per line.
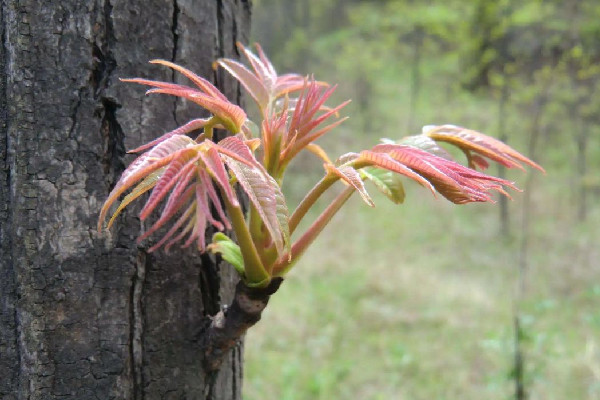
<point>87,315</point>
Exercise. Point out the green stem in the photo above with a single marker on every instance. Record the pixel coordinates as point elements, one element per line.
<point>309,200</point>
<point>257,233</point>
<point>208,127</point>
<point>208,132</point>
<point>300,246</point>
<point>256,275</point>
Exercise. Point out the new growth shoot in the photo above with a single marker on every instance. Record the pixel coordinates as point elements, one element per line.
<point>192,178</point>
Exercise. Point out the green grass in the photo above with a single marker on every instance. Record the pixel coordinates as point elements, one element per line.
<point>416,302</point>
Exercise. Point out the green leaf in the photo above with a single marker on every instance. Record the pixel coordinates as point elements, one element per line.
<point>386,182</point>
<point>229,250</point>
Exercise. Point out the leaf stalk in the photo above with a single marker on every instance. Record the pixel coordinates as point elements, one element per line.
<point>255,273</point>
<point>299,247</point>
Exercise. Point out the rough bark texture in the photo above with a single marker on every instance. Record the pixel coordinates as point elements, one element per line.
<point>87,315</point>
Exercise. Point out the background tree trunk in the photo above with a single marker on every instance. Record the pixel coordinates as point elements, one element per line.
<point>87,315</point>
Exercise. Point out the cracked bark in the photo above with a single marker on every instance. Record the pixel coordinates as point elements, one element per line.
<point>86,315</point>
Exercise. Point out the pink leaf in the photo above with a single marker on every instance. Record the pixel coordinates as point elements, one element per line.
<point>350,176</point>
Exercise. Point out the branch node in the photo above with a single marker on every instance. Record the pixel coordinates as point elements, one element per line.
<point>229,325</point>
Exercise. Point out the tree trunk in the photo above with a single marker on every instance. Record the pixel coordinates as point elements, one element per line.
<point>87,315</point>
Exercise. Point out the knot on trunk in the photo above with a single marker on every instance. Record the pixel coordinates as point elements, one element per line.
<point>229,325</point>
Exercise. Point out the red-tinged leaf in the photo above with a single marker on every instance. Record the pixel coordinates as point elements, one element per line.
<point>164,149</point>
<point>214,197</point>
<point>283,216</point>
<point>143,166</point>
<point>235,147</point>
<point>290,83</point>
<point>202,83</point>
<point>148,183</point>
<point>232,116</point>
<point>317,134</point>
<point>191,126</point>
<point>383,160</point>
<point>196,226</point>
<point>264,193</point>
<point>428,165</point>
<point>175,203</point>
<point>478,161</point>
<point>304,120</point>
<point>265,73</point>
<point>346,158</point>
<point>293,104</point>
<point>191,223</point>
<point>230,153</point>
<point>296,78</point>
<point>184,91</point>
<point>425,143</point>
<point>266,62</point>
<point>180,221</point>
<point>263,76</point>
<point>177,168</point>
<point>484,145</point>
<point>454,181</point>
<point>238,147</point>
<point>250,82</point>
<point>312,124</point>
<point>203,205</point>
<point>273,132</point>
<point>290,149</point>
<point>456,186</point>
<point>350,176</point>
<point>486,180</point>
<point>309,103</point>
<point>160,84</point>
<point>179,194</point>
<point>199,230</point>
<point>216,169</point>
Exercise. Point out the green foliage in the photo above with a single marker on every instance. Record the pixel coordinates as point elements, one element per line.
<point>229,250</point>
<point>386,182</point>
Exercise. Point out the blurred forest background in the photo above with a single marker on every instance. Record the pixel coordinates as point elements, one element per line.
<point>430,300</point>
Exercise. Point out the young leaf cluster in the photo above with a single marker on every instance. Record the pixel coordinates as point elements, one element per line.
<point>192,179</point>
